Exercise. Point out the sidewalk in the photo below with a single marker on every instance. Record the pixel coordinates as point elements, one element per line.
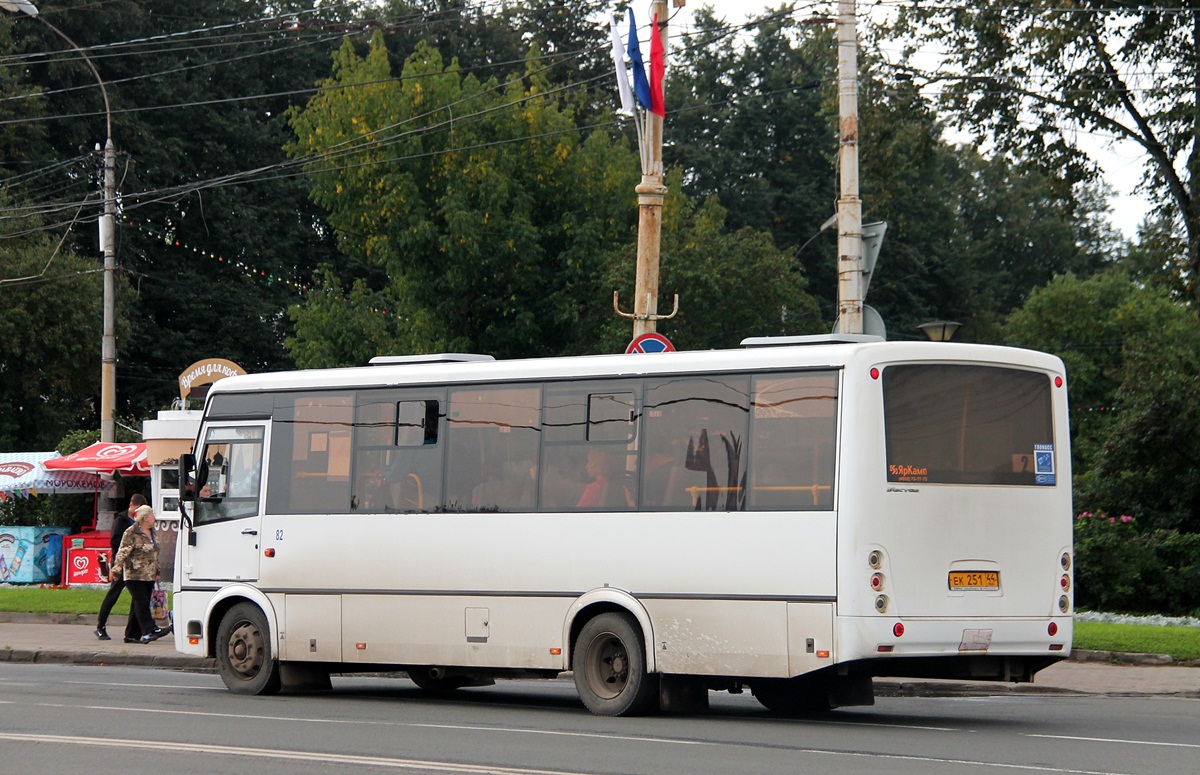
<point>58,639</point>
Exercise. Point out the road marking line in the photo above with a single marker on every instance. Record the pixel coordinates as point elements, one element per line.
<point>395,724</point>
<point>467,769</point>
<point>1115,740</point>
<point>270,753</point>
<point>632,738</point>
<point>149,686</point>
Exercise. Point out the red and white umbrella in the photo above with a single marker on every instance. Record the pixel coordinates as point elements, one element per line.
<point>105,458</point>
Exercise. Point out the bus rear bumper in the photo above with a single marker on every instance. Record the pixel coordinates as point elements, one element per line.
<point>991,649</point>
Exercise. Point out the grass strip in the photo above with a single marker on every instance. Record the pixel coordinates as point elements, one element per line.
<point>1182,643</point>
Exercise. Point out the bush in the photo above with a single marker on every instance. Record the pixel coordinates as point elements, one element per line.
<point>1121,570</point>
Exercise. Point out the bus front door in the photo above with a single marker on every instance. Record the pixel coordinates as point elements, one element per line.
<point>227,513</point>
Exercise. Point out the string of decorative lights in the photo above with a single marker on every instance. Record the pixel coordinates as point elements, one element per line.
<point>248,270</point>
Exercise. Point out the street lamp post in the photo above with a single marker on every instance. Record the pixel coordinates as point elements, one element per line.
<point>107,224</point>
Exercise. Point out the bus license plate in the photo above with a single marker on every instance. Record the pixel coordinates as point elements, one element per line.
<point>987,580</point>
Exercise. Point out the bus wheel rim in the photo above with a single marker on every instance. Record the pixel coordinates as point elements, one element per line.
<point>246,650</point>
<point>608,666</point>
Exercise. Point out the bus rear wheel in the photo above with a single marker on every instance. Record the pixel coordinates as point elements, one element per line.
<point>244,657</point>
<point>609,662</point>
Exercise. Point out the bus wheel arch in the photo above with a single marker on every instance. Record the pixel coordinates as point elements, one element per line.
<point>599,601</point>
<point>229,597</point>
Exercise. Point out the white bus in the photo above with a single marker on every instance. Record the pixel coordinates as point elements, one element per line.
<point>793,517</point>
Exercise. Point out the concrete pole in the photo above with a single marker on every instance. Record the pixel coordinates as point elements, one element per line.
<point>651,192</point>
<point>849,205</point>
<point>108,344</point>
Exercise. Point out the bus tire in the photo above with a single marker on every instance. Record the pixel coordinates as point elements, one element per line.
<point>791,696</point>
<point>244,657</point>
<point>609,662</point>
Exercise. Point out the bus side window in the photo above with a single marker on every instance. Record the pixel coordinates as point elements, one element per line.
<point>695,427</point>
<point>494,437</point>
<point>793,432</point>
<point>311,454</point>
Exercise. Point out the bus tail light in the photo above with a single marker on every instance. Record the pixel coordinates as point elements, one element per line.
<point>1065,561</point>
<point>881,603</point>
<point>1065,582</point>
<point>898,629</point>
<point>875,559</point>
<point>1052,629</point>
<point>1064,604</point>
<point>876,581</point>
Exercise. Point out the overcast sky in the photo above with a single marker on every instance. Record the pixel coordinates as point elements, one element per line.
<point>1123,164</point>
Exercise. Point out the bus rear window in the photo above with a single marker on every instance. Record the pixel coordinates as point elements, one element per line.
<point>956,424</point>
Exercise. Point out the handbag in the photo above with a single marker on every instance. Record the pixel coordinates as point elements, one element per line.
<point>158,604</point>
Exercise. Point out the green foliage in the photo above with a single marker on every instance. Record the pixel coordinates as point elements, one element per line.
<point>69,511</point>
<point>1132,358</point>
<point>50,325</point>
<point>180,121</point>
<point>1032,78</point>
<point>731,285</point>
<point>1119,569</point>
<point>1181,643</point>
<point>755,123</point>
<point>475,202</point>
<point>1110,561</point>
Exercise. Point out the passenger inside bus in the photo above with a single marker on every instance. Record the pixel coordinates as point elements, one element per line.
<point>607,490</point>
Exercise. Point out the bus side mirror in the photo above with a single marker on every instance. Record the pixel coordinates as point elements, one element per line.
<point>187,470</point>
<point>187,492</point>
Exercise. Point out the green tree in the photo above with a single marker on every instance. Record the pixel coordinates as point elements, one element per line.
<point>1035,76</point>
<point>50,324</point>
<point>747,125</point>
<point>476,201</point>
<point>754,122</point>
<point>731,285</point>
<point>1132,358</point>
<point>214,237</point>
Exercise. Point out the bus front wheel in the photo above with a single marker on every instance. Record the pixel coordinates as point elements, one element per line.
<point>609,662</point>
<point>244,657</point>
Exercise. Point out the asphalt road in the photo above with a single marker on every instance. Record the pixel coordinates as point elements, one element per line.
<point>96,720</point>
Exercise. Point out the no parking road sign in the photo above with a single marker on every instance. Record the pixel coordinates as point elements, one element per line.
<point>650,343</point>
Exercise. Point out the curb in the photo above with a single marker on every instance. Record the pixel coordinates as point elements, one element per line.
<point>40,656</point>
<point>1127,658</point>
<point>912,687</point>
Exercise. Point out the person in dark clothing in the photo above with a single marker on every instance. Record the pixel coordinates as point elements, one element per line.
<point>121,523</point>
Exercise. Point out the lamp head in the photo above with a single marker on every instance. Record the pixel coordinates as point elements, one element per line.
<point>19,6</point>
<point>940,330</point>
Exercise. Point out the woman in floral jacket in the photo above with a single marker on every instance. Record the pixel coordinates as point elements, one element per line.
<point>137,561</point>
